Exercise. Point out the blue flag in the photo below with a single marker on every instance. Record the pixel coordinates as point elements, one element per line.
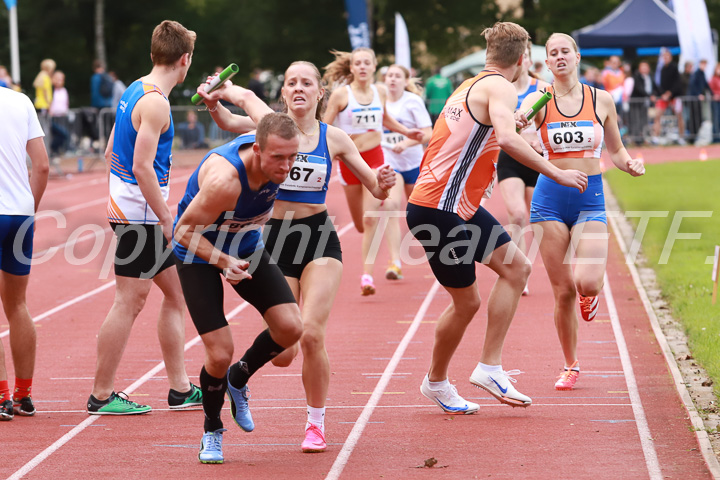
<point>10,3</point>
<point>357,23</point>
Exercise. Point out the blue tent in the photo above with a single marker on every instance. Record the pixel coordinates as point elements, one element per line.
<point>633,24</point>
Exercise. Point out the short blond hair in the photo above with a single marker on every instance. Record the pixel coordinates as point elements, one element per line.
<point>506,43</point>
<point>276,123</point>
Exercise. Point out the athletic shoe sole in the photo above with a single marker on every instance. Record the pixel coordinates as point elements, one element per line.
<point>118,413</point>
<point>502,399</point>
<point>469,411</point>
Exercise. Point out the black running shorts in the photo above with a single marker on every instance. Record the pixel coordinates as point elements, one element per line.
<point>293,244</point>
<point>508,167</point>
<point>202,286</point>
<point>453,245</point>
<point>142,251</point>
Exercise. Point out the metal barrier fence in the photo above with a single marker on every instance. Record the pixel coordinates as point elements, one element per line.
<point>684,120</point>
<point>83,132</point>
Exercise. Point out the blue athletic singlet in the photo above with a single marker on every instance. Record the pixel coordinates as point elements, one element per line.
<point>532,87</point>
<point>309,176</point>
<point>237,232</point>
<point>127,203</point>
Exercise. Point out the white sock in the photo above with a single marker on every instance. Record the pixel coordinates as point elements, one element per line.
<point>316,416</point>
<point>397,263</point>
<point>575,368</point>
<point>438,385</point>
<point>490,368</point>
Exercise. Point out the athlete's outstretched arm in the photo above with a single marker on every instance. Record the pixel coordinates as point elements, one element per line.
<point>501,105</point>
<point>615,148</point>
<point>241,97</point>
<point>343,148</point>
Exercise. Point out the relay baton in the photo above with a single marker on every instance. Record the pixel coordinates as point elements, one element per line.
<point>538,105</point>
<point>217,82</point>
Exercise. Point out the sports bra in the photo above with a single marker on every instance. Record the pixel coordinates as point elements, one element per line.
<point>572,136</point>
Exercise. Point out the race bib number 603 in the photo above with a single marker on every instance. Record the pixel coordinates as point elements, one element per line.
<point>571,136</point>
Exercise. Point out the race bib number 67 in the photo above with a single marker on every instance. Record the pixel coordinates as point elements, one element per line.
<point>571,136</point>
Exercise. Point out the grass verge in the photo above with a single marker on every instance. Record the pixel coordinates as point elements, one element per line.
<point>684,198</point>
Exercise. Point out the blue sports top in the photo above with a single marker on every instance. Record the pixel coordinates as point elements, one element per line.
<point>126,203</point>
<point>309,176</point>
<point>531,88</point>
<point>125,135</point>
<point>236,232</point>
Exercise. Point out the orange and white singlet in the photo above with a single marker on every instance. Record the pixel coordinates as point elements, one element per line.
<point>576,136</point>
<point>460,161</point>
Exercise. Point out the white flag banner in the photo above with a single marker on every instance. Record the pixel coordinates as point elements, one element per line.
<point>694,34</point>
<point>402,42</point>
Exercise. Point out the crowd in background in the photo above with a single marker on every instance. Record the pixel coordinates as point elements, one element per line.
<point>668,105</point>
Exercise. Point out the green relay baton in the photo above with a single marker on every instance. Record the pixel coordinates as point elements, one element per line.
<point>538,105</point>
<point>217,82</point>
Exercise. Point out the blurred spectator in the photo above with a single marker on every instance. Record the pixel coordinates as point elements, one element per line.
<point>43,85</point>
<point>437,91</point>
<point>101,87</point>
<point>590,78</point>
<point>715,89</point>
<point>643,95</point>
<point>612,79</point>
<point>117,91</point>
<point>541,72</point>
<point>698,87</point>
<point>43,95</point>
<point>192,133</point>
<point>627,88</point>
<point>59,109</point>
<point>670,90</point>
<point>256,85</point>
<point>5,79</point>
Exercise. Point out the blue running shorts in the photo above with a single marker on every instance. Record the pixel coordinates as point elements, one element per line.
<point>554,202</point>
<point>16,243</point>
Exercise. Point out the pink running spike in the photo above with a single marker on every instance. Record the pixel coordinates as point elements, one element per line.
<point>314,440</point>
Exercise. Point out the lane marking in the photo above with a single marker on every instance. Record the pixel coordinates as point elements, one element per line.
<point>648,445</point>
<point>40,457</point>
<point>104,199</point>
<point>63,306</point>
<point>359,407</point>
<point>703,439</point>
<point>352,439</point>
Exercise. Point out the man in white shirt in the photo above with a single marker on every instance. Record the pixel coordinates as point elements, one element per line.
<point>20,135</point>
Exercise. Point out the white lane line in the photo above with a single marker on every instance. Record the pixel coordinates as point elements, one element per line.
<point>40,457</point>
<point>75,186</point>
<point>359,407</point>
<point>697,423</point>
<point>63,306</point>
<point>648,445</point>
<point>102,200</point>
<point>350,443</point>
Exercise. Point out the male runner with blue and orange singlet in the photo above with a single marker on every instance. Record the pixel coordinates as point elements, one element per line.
<point>445,215</point>
<point>139,156</point>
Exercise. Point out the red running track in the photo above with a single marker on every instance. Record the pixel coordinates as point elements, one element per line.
<point>624,419</point>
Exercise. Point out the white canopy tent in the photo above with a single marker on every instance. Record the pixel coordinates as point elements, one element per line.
<point>475,62</point>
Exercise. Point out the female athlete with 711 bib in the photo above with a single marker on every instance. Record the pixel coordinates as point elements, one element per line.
<point>571,128</point>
